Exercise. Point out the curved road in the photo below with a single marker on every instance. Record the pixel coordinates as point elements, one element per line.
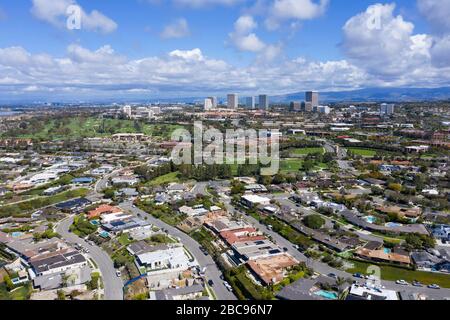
<point>113,285</point>
<point>212,271</point>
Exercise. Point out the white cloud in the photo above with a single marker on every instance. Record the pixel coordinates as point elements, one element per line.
<point>299,9</point>
<point>437,12</point>
<point>180,72</point>
<point>385,44</point>
<point>178,29</point>
<point>243,38</point>
<point>282,10</point>
<point>55,13</point>
<point>440,52</point>
<point>245,24</point>
<point>192,55</point>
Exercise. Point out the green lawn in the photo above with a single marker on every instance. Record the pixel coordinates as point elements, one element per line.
<point>307,151</point>
<point>21,293</point>
<point>80,127</point>
<point>296,165</point>
<point>393,273</point>
<point>167,178</point>
<point>363,152</point>
<point>124,239</point>
<point>290,165</point>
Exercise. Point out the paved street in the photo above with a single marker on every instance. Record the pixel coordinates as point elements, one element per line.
<point>212,271</point>
<point>113,285</point>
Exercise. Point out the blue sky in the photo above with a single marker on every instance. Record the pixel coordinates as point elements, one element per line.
<point>170,48</point>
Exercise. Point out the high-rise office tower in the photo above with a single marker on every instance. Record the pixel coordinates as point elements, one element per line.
<point>208,104</point>
<point>312,97</point>
<point>213,101</point>
<point>233,102</point>
<point>250,102</point>
<point>264,102</point>
<point>387,109</point>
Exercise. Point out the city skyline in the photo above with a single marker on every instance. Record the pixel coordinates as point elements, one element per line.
<point>175,48</point>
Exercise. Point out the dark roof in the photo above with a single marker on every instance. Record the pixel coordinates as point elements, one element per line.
<point>58,261</point>
<point>73,204</point>
<point>373,245</point>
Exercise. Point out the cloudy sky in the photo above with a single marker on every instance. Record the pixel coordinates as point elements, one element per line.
<point>177,48</point>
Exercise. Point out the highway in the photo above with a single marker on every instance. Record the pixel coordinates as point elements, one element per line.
<point>325,269</point>
<point>212,271</point>
<point>113,285</point>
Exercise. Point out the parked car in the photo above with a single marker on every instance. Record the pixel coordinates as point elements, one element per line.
<point>228,286</point>
<point>211,283</point>
<point>332,275</point>
<point>417,284</point>
<point>434,286</point>
<point>118,273</point>
<point>358,275</point>
<point>402,282</point>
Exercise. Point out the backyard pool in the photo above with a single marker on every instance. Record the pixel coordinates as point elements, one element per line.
<point>387,250</point>
<point>104,234</point>
<point>17,234</point>
<point>326,294</point>
<point>95,222</point>
<point>393,225</point>
<point>370,219</point>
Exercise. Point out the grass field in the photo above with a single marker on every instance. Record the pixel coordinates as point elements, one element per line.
<point>307,151</point>
<point>167,178</point>
<point>363,152</point>
<point>295,165</point>
<point>290,165</point>
<point>79,127</point>
<point>392,274</point>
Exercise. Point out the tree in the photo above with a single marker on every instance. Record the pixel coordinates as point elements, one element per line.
<point>9,284</point>
<point>395,187</point>
<point>61,295</point>
<point>314,221</point>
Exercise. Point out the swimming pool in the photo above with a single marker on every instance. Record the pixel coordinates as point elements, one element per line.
<point>387,250</point>
<point>393,225</point>
<point>104,234</point>
<point>326,294</point>
<point>16,234</point>
<point>95,222</point>
<point>370,219</point>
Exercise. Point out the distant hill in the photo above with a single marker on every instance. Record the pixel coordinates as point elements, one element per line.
<point>373,95</point>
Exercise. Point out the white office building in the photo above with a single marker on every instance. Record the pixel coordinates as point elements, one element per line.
<point>323,109</point>
<point>208,104</point>
<point>127,111</point>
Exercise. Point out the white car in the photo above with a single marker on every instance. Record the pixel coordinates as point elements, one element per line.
<point>402,282</point>
<point>118,273</point>
<point>228,286</point>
